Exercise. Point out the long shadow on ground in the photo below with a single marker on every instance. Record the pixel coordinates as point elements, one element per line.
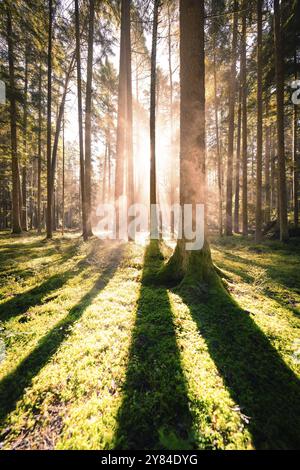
<point>34,297</point>
<point>259,381</point>
<point>14,384</point>
<point>154,413</point>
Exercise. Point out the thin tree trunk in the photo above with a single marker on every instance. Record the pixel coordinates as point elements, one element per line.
<point>104,175</point>
<point>80,123</point>
<point>173,166</point>
<point>63,182</point>
<point>153,183</point>
<point>39,169</point>
<point>16,222</point>
<point>237,167</point>
<point>279,66</point>
<point>88,119</point>
<point>24,169</point>
<point>295,158</point>
<point>49,130</point>
<point>219,158</point>
<point>267,168</point>
<point>244,123</point>
<point>232,90</point>
<point>129,142</point>
<point>59,121</point>
<point>258,213</point>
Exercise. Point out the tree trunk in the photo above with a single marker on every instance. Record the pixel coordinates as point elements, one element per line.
<point>232,90</point>
<point>258,213</point>
<point>49,130</point>
<point>121,126</point>
<point>244,122</point>
<point>88,119</point>
<point>16,222</point>
<point>295,158</point>
<point>193,266</point>
<point>153,186</point>
<point>39,169</point>
<point>173,166</point>
<point>129,143</point>
<point>63,182</point>
<point>80,123</point>
<point>59,122</point>
<point>279,66</point>
<point>24,169</point>
<point>237,168</point>
<point>219,157</point>
<point>267,168</point>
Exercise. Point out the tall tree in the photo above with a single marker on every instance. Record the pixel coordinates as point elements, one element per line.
<point>237,166</point>
<point>232,92</point>
<point>49,130</point>
<point>195,265</point>
<point>25,120</point>
<point>219,157</point>
<point>244,120</point>
<point>129,142</point>
<point>80,122</point>
<point>16,222</point>
<point>39,168</point>
<point>258,213</point>
<point>153,182</point>
<point>279,66</point>
<point>267,165</point>
<point>88,119</point>
<point>295,157</point>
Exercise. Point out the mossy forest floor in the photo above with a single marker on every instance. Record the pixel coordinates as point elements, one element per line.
<point>93,357</point>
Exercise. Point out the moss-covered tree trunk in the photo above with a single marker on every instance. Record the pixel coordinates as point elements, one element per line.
<point>196,265</point>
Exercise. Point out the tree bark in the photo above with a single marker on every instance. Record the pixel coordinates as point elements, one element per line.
<point>219,157</point>
<point>237,167</point>
<point>80,123</point>
<point>244,122</point>
<point>232,90</point>
<point>16,222</point>
<point>258,213</point>
<point>173,166</point>
<point>279,66</point>
<point>153,183</point>
<point>63,182</point>
<point>88,119</point>
<point>49,130</point>
<point>129,142</point>
<point>24,221</point>
<point>121,126</point>
<point>267,167</point>
<point>59,122</point>
<point>39,168</point>
<point>295,158</point>
<point>193,266</point>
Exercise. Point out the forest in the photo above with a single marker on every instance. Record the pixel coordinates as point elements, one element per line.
<point>149,225</point>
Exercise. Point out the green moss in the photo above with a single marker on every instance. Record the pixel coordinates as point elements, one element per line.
<point>99,357</point>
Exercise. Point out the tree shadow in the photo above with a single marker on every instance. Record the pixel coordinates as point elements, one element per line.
<point>14,384</point>
<point>155,412</point>
<point>279,276</point>
<point>20,303</point>
<point>259,381</point>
